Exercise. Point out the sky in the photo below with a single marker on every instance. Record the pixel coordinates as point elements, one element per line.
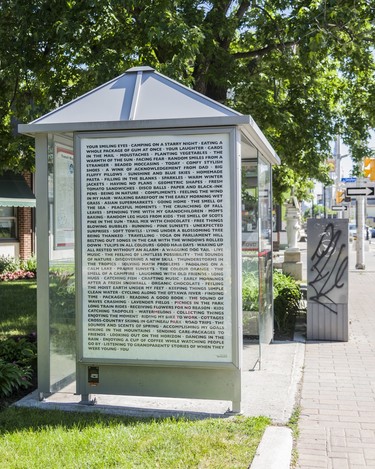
<point>346,163</point>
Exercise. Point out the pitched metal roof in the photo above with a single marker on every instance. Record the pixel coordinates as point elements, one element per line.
<point>142,98</point>
<point>140,93</point>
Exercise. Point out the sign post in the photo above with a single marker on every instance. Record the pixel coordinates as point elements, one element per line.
<point>360,241</point>
<point>360,193</point>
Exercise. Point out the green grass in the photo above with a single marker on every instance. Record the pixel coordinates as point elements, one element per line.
<point>31,438</point>
<point>293,425</point>
<point>17,307</point>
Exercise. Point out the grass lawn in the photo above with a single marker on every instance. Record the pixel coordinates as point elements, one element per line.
<point>31,438</point>
<point>17,307</point>
<point>38,439</point>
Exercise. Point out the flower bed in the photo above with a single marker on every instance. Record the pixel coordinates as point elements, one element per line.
<point>17,275</point>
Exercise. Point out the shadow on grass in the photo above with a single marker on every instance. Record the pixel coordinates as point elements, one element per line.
<point>18,307</point>
<point>13,419</point>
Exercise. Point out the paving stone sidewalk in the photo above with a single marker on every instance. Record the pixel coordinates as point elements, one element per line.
<point>337,422</point>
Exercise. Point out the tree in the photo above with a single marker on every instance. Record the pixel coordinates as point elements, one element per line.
<point>303,69</point>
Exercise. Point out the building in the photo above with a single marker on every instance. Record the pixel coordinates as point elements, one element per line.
<point>17,215</point>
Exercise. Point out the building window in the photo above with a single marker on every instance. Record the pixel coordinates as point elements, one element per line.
<point>8,223</point>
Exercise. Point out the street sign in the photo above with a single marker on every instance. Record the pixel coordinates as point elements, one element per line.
<point>348,179</point>
<point>339,208</point>
<point>358,191</point>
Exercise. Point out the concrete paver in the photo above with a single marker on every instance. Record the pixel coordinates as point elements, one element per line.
<point>337,421</point>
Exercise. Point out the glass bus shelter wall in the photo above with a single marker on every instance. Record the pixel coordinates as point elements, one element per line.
<point>256,250</point>
<point>62,298</point>
<point>256,193</point>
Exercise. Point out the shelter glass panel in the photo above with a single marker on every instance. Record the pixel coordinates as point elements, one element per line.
<point>250,270</point>
<point>265,251</point>
<point>61,261</point>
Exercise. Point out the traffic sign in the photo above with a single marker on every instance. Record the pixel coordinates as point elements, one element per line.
<point>358,191</point>
<point>348,179</point>
<point>339,208</point>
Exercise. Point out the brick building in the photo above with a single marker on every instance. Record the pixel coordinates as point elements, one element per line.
<point>17,215</point>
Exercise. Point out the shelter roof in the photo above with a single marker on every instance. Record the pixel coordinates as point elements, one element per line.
<point>142,98</point>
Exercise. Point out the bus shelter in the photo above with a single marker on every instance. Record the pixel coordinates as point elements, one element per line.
<point>153,202</point>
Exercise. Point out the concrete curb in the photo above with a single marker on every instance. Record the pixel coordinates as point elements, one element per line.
<point>274,450</point>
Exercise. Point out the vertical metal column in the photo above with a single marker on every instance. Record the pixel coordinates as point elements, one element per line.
<point>42,227</point>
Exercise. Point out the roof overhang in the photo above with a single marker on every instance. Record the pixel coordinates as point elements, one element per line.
<point>246,123</point>
<point>31,129</point>
<point>14,191</point>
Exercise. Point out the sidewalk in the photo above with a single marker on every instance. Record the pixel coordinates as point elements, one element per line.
<point>337,421</point>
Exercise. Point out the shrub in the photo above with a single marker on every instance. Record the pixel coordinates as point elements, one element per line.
<point>250,291</point>
<point>8,264</point>
<point>19,349</point>
<point>17,363</point>
<point>13,377</point>
<point>29,265</point>
<point>287,296</point>
<point>16,269</point>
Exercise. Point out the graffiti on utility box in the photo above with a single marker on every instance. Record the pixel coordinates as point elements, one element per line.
<point>327,262</point>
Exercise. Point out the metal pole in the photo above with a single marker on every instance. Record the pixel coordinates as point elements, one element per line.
<point>360,242</point>
<point>338,168</point>
<point>360,264</point>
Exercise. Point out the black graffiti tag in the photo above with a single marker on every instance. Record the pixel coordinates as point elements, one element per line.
<point>330,265</point>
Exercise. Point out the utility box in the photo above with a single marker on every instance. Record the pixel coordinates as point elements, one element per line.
<point>327,279</point>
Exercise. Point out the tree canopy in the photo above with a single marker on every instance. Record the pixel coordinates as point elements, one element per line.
<point>303,69</point>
